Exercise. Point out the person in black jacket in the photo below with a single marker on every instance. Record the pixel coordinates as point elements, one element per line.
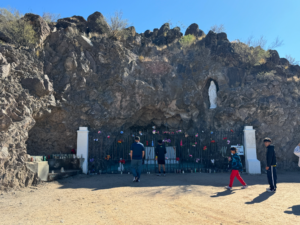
<point>271,165</point>
<point>160,152</point>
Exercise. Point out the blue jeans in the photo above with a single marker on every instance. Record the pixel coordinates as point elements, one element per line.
<point>136,167</point>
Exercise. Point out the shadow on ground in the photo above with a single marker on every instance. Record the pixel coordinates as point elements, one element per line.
<point>223,193</point>
<point>107,181</point>
<point>262,197</point>
<point>294,210</point>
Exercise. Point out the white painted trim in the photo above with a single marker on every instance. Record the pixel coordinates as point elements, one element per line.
<point>83,147</point>
<point>252,164</point>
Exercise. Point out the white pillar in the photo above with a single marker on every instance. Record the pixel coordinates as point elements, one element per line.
<point>252,164</point>
<point>83,147</point>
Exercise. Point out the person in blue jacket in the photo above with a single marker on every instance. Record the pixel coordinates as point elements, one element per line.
<point>271,165</point>
<point>236,166</point>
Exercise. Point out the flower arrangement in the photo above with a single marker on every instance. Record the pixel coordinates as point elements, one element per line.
<point>122,161</point>
<point>196,135</point>
<point>107,157</point>
<point>92,160</point>
<point>99,132</point>
<point>108,136</point>
<point>231,131</point>
<point>179,131</point>
<point>213,141</point>
<point>166,132</point>
<point>191,156</point>
<point>147,143</point>
<point>204,148</point>
<point>224,138</point>
<point>228,142</point>
<point>167,140</point>
<point>194,144</point>
<point>177,159</point>
<point>197,160</point>
<point>121,132</point>
<point>120,141</point>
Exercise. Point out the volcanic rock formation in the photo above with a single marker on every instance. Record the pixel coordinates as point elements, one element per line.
<point>84,74</point>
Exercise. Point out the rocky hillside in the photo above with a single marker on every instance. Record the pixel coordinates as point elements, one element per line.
<point>83,74</point>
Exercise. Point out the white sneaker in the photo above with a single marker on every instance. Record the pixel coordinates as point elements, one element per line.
<point>244,187</point>
<point>267,189</point>
<point>164,174</point>
<point>227,187</point>
<point>138,180</point>
<point>158,174</point>
<point>272,191</point>
<point>134,179</point>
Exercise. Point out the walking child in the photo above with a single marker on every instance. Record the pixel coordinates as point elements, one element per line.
<point>271,165</point>
<point>160,152</point>
<point>236,166</point>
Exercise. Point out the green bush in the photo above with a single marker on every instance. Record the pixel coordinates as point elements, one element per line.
<point>15,28</point>
<point>250,56</point>
<point>187,40</point>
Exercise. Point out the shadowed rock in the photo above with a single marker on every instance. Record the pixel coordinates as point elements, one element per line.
<point>97,23</point>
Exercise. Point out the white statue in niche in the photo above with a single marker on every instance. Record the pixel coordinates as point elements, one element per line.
<point>212,93</point>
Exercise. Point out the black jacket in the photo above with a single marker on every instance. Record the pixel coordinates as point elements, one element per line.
<point>271,156</point>
<point>160,152</point>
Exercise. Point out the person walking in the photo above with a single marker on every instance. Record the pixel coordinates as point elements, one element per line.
<point>271,165</point>
<point>160,152</point>
<point>236,166</point>
<point>137,153</point>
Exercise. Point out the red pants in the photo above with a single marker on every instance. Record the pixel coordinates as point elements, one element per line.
<point>235,173</point>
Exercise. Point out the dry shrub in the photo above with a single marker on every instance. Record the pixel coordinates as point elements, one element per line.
<point>141,58</point>
<point>15,28</point>
<point>266,76</point>
<point>250,56</point>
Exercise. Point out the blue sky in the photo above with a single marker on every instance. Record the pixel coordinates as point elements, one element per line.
<point>241,18</point>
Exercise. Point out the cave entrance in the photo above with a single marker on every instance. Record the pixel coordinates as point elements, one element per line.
<point>203,151</point>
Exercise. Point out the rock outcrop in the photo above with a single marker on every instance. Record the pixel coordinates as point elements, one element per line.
<point>136,81</point>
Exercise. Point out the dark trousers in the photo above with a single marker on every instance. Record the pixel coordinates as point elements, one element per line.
<point>272,177</point>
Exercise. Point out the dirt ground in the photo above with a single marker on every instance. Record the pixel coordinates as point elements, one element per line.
<point>175,199</point>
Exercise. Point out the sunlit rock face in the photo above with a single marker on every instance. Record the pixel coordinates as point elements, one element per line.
<point>86,75</point>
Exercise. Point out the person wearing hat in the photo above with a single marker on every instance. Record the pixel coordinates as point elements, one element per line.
<point>137,153</point>
<point>160,152</point>
<point>271,165</point>
<point>236,166</point>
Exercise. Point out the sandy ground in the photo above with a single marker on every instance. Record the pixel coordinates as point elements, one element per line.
<point>174,199</point>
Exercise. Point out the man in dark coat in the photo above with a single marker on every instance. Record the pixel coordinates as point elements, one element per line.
<point>271,165</point>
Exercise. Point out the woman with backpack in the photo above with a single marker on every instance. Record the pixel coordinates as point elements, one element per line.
<point>236,166</point>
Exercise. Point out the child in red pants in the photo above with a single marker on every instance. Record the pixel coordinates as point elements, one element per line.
<point>236,166</point>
